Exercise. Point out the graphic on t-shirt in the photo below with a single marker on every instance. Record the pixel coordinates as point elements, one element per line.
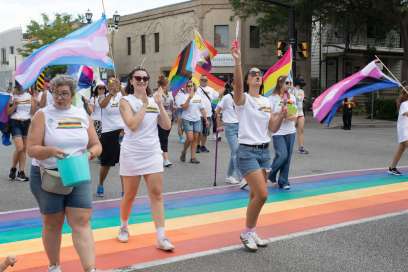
<point>115,104</point>
<point>152,109</point>
<point>28,101</point>
<point>197,100</point>
<point>265,109</point>
<point>69,123</point>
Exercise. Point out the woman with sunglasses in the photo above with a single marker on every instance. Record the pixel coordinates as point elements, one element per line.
<point>193,110</point>
<point>284,138</point>
<point>256,120</point>
<point>112,127</point>
<point>140,154</point>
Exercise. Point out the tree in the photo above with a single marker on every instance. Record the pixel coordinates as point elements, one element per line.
<point>353,17</point>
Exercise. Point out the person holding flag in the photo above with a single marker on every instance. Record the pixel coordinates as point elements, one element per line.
<point>256,120</point>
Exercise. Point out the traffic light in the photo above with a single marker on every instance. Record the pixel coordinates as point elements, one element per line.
<point>280,48</point>
<point>304,49</point>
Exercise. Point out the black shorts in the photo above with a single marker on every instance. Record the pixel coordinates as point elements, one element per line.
<point>110,148</point>
<point>19,128</point>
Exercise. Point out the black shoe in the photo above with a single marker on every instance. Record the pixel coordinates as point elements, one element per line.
<point>183,156</point>
<point>12,175</point>
<point>203,149</point>
<point>198,150</point>
<point>194,161</point>
<point>394,171</point>
<point>21,176</point>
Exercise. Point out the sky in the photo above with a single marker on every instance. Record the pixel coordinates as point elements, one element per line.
<point>15,13</point>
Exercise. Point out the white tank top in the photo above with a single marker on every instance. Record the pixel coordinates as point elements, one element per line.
<point>65,129</point>
<point>145,139</point>
<point>23,108</point>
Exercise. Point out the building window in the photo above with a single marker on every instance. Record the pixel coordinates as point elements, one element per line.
<point>254,37</point>
<point>221,36</point>
<point>12,50</point>
<point>143,43</point>
<point>129,46</point>
<point>156,42</point>
<point>3,56</point>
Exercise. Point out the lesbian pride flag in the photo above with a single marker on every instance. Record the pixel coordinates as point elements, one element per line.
<point>85,46</point>
<point>280,68</point>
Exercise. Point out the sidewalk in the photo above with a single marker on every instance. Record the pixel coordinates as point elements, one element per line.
<point>358,121</point>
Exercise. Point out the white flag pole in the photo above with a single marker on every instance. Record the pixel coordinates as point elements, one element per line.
<point>392,75</point>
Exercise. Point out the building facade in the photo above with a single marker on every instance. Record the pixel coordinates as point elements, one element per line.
<point>10,41</point>
<point>155,37</point>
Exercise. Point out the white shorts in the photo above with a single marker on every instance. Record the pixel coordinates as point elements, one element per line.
<point>139,164</point>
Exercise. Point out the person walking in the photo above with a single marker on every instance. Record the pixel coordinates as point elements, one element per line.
<point>299,94</point>
<point>141,155</point>
<point>112,127</point>
<point>402,131</point>
<point>168,103</point>
<point>284,138</point>
<point>22,106</point>
<point>99,91</point>
<point>179,120</point>
<point>230,125</point>
<point>56,131</point>
<point>193,110</point>
<point>255,121</point>
<point>207,95</point>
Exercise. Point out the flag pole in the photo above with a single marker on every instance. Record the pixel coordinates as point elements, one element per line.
<point>392,75</point>
<point>109,44</point>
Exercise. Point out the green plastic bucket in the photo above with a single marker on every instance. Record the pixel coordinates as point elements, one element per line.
<point>74,170</point>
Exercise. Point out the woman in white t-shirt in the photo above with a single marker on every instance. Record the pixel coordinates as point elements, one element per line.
<point>255,121</point>
<point>140,154</point>
<point>231,125</point>
<point>193,109</point>
<point>22,106</point>
<point>402,130</point>
<point>284,138</point>
<point>299,94</point>
<point>56,131</point>
<point>99,91</point>
<point>112,127</point>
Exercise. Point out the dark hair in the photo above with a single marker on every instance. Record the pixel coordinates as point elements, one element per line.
<point>129,87</point>
<point>162,81</point>
<point>279,84</point>
<point>246,86</point>
<point>402,97</point>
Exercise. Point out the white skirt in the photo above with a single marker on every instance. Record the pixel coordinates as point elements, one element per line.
<point>139,164</point>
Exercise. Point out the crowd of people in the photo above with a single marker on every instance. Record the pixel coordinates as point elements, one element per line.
<point>131,126</point>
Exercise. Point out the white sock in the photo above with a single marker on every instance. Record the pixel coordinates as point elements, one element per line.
<point>123,223</point>
<point>160,233</point>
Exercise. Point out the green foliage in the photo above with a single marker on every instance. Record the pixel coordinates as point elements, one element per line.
<point>385,109</point>
<point>47,31</point>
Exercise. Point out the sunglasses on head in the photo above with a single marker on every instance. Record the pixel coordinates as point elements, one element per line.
<point>140,78</point>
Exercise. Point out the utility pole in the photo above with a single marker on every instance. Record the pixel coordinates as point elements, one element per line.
<point>291,30</point>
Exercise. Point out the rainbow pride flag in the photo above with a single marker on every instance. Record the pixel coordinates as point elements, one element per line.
<point>85,46</point>
<point>280,68</point>
<point>213,81</point>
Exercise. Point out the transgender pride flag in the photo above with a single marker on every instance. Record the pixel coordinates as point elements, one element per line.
<point>85,46</point>
<point>4,101</point>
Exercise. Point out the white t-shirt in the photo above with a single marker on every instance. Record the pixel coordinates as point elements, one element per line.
<point>65,129</point>
<point>111,118</point>
<point>192,113</point>
<point>97,112</point>
<point>146,138</point>
<point>402,123</point>
<point>253,119</point>
<point>23,108</point>
<point>49,98</point>
<point>179,93</point>
<point>287,127</point>
<point>212,94</point>
<point>229,115</point>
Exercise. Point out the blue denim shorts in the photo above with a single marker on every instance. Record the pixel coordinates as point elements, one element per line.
<point>192,126</point>
<point>178,112</point>
<point>251,159</point>
<point>19,128</point>
<point>49,203</point>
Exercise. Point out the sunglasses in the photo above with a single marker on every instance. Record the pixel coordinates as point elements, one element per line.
<point>139,78</point>
<point>255,73</point>
<point>287,83</point>
<point>190,86</point>
<point>204,80</point>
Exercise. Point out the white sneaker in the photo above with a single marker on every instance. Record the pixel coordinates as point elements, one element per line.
<point>54,268</point>
<point>248,242</point>
<point>123,235</point>
<point>243,184</point>
<point>165,244</point>
<point>259,242</point>
<point>231,180</point>
<point>167,163</point>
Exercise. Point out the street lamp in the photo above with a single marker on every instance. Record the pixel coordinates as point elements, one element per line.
<point>88,16</point>
<point>116,20</point>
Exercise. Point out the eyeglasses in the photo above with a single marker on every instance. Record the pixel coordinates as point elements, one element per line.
<point>139,78</point>
<point>61,95</point>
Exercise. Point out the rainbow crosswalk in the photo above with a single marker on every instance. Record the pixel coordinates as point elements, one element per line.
<point>211,218</point>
